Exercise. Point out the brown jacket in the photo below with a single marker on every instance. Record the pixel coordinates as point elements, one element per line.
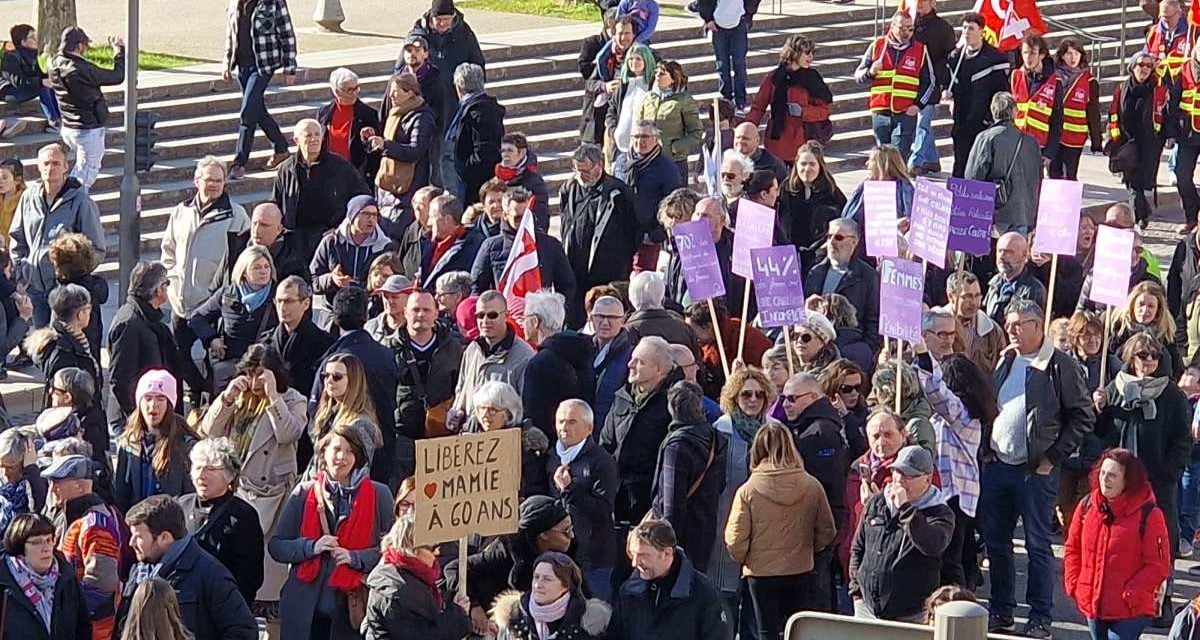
<point>778,519</point>
<point>983,340</point>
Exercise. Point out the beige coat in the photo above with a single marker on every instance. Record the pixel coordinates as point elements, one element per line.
<point>778,519</point>
<point>269,470</point>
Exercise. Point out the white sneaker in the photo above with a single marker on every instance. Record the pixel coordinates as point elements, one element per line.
<point>1185,548</point>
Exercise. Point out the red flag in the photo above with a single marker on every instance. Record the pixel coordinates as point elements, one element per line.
<point>909,7</point>
<point>522,273</point>
<point>1009,20</point>
<point>1194,14</point>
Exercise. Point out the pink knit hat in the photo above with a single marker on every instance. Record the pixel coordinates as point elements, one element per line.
<point>158,382</point>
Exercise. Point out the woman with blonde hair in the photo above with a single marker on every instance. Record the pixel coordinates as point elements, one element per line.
<point>345,400</point>
<point>235,315</point>
<point>152,452</point>
<point>883,163</point>
<point>780,518</point>
<point>1146,310</point>
<point>808,200</point>
<point>154,613</point>
<point>330,532</point>
<point>404,600</point>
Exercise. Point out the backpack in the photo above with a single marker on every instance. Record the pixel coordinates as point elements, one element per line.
<point>1147,508</point>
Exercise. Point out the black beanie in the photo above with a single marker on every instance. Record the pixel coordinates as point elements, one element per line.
<point>442,8</point>
<point>539,514</point>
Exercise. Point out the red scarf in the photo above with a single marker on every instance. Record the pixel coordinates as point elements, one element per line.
<point>353,534</point>
<point>440,247</point>
<point>510,175</point>
<point>425,573</point>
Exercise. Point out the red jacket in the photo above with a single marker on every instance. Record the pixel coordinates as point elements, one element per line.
<point>1113,571</point>
<point>792,137</point>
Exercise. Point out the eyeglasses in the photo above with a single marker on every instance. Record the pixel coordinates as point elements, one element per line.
<point>336,376</point>
<point>757,394</point>
<point>568,530</point>
<point>847,389</point>
<point>405,505</point>
<point>1147,355</point>
<point>289,300</point>
<point>943,335</point>
<point>59,390</point>
<point>353,89</point>
<point>605,317</point>
<point>837,237</point>
<point>1147,65</point>
<point>487,408</point>
<point>1009,326</point>
<point>642,136</point>
<point>489,315</point>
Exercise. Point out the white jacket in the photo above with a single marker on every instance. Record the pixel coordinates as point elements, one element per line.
<point>195,250</point>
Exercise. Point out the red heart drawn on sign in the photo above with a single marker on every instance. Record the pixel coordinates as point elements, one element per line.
<point>430,489</point>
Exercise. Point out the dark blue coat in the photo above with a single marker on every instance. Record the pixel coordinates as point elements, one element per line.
<point>224,316</point>
<point>70,620</point>
<point>560,370</point>
<point>691,609</point>
<point>611,375</point>
<point>650,185</point>
<point>209,601</point>
<point>460,257</point>
<point>493,255</point>
<point>382,378</point>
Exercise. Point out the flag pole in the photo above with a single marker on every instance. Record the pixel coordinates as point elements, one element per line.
<point>899,378</point>
<point>1104,345</point>
<point>787,348</point>
<point>745,319</point>
<point>1050,294</point>
<point>712,312</point>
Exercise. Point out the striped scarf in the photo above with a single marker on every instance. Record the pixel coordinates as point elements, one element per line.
<point>38,588</point>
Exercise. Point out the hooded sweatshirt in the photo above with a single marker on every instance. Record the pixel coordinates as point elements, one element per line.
<point>779,519</point>
<point>340,249</point>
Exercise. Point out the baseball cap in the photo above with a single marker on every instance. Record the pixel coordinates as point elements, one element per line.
<point>396,284</point>
<point>73,467</point>
<point>417,40</point>
<point>913,461</point>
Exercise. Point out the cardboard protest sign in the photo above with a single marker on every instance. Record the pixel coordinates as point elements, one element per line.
<point>468,484</point>
<point>930,225</point>
<point>778,286</point>
<point>901,289</point>
<point>1113,265</point>
<point>698,257</point>
<point>879,214</point>
<point>755,230</point>
<point>1058,217</point>
<point>971,214</point>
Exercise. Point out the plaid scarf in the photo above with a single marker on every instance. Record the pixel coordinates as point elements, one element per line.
<point>38,588</point>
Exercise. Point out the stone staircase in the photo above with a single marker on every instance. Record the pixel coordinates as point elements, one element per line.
<point>541,89</point>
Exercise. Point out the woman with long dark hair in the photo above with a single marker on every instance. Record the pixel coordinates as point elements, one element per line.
<point>152,453</point>
<point>808,200</point>
<point>1116,555</point>
<point>1080,93</point>
<point>345,400</point>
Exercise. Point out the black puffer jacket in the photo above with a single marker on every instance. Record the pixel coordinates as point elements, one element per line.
<point>77,82</point>
<point>399,605</point>
<point>803,220</point>
<point>477,148</point>
<point>450,49</point>
<point>560,370</point>
<point>632,433</point>
<point>1163,443</point>
<point>225,316</point>
<point>691,453</point>
<point>583,620</point>
<point>19,69</point>
<point>53,349</point>
<point>818,434</point>
<point>70,620</point>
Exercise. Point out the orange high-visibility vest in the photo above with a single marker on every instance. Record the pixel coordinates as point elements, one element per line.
<point>1173,52</point>
<point>1114,111</point>
<point>1035,107</point>
<point>1075,123</point>
<point>895,87</point>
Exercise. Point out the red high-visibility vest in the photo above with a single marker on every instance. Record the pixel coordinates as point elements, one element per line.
<point>895,87</point>
<point>1189,102</point>
<point>1114,111</point>
<point>1035,107</point>
<point>1075,123</point>
<point>1172,52</point>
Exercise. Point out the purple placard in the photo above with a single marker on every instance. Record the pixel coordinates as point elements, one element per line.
<point>901,289</point>
<point>755,230</point>
<point>879,213</point>
<point>698,257</point>
<point>930,226</point>
<point>778,286</point>
<point>1113,265</point>
<point>971,215</point>
<point>1058,217</point>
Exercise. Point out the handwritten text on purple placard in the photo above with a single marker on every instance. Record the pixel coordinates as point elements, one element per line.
<point>1111,270</point>
<point>879,213</point>
<point>971,215</point>
<point>698,257</point>
<point>755,230</point>
<point>901,289</point>
<point>778,286</point>
<point>1058,217</point>
<point>930,226</point>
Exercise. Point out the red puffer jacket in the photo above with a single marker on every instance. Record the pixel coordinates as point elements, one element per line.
<point>1112,569</point>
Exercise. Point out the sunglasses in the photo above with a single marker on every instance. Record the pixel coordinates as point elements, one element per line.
<point>836,237</point>
<point>847,389</point>
<point>748,394</point>
<point>730,176</point>
<point>805,337</point>
<point>793,398</point>
<point>1147,65</point>
<point>335,376</point>
<point>1147,355</point>
<point>489,315</point>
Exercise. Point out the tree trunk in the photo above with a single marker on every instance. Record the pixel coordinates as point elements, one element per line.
<point>52,17</point>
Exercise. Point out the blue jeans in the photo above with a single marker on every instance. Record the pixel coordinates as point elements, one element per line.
<point>1189,501</point>
<point>895,129</point>
<point>730,46</point>
<point>41,307</point>
<point>254,115</point>
<point>599,582</point>
<point>1129,629</point>
<point>1008,492</point>
<point>45,95</point>
<point>924,145</point>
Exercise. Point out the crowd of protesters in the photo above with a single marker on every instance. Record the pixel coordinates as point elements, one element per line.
<point>248,452</point>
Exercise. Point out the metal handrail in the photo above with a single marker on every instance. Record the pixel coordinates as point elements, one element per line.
<point>1095,42</point>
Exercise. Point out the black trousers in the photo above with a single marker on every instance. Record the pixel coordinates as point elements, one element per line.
<point>184,339</point>
<point>1185,180</point>
<point>964,135</point>
<point>960,564</point>
<point>1166,494</point>
<point>1065,165</point>
<point>775,599</point>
